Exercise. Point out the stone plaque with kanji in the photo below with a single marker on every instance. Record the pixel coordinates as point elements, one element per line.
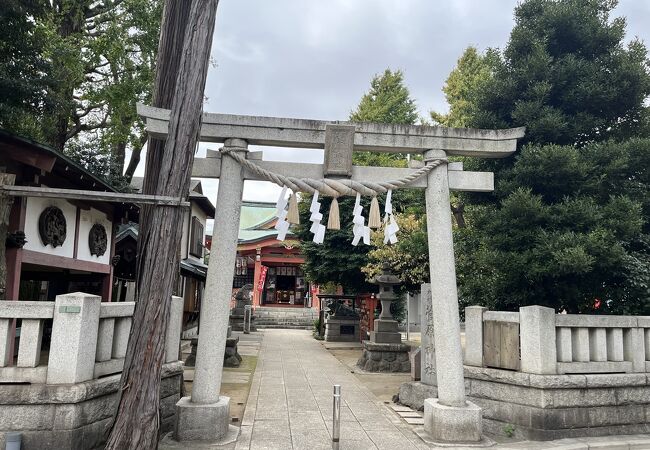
<point>339,142</point>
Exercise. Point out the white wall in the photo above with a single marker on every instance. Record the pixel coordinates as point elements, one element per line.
<point>87,218</point>
<point>34,208</point>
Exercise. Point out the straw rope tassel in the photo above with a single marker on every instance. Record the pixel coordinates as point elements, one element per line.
<point>333,221</point>
<point>374,217</point>
<point>292,214</point>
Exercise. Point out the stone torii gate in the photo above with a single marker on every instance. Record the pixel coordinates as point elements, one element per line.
<point>448,418</point>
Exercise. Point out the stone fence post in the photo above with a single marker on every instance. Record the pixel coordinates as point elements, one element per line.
<point>537,339</point>
<point>74,338</point>
<point>174,328</point>
<point>474,335</point>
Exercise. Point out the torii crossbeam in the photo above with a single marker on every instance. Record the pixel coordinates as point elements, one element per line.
<point>451,412</point>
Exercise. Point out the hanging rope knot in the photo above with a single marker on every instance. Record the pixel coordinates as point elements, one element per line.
<point>333,187</point>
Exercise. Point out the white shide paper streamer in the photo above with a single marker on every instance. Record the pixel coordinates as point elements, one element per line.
<point>390,226</point>
<point>282,225</point>
<point>359,229</point>
<point>316,216</point>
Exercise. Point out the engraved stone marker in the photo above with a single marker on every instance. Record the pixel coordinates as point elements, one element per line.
<point>339,142</point>
<point>428,353</point>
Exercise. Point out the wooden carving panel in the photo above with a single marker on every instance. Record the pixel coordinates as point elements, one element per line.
<point>339,143</point>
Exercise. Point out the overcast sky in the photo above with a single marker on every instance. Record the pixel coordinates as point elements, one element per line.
<point>315,58</point>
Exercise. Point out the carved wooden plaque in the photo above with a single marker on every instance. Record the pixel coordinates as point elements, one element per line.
<point>339,142</point>
<point>97,240</point>
<point>52,226</point>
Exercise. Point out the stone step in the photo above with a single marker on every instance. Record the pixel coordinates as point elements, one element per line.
<point>285,318</point>
<point>283,327</point>
<point>288,322</point>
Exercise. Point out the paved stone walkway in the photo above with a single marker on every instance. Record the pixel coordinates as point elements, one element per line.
<point>290,403</point>
<point>290,406</point>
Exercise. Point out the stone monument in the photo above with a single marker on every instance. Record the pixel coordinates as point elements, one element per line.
<point>384,351</point>
<point>342,323</point>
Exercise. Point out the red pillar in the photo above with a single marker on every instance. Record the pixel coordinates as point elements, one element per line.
<point>256,279</point>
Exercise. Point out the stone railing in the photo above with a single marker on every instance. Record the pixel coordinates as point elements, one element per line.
<point>538,341</point>
<point>89,338</point>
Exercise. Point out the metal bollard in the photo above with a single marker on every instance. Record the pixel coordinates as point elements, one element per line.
<point>336,417</point>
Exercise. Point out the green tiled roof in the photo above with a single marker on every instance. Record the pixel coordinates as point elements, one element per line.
<point>253,216</point>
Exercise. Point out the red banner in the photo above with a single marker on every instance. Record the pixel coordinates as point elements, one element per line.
<point>260,284</point>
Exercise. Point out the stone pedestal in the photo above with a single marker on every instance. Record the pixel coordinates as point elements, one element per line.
<point>378,357</point>
<point>452,424</point>
<point>342,329</point>
<point>385,332</point>
<point>204,422</point>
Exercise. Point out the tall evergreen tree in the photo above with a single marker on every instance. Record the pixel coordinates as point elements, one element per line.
<point>567,75</point>
<point>568,222</point>
<point>472,69</point>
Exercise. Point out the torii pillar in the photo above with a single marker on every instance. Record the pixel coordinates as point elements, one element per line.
<point>450,417</point>
<point>205,415</point>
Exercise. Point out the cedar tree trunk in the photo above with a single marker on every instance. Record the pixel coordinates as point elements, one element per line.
<point>137,421</point>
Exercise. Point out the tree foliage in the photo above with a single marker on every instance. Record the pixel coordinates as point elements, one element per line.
<point>472,70</point>
<point>336,260</point>
<point>96,60</point>
<point>387,101</point>
<point>24,85</point>
<point>409,258</point>
<point>566,75</point>
<point>571,226</point>
<point>569,220</point>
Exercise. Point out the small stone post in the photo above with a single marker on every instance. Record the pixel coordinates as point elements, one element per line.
<point>537,337</point>
<point>74,338</point>
<point>174,328</point>
<point>474,335</point>
<point>449,418</point>
<point>206,415</point>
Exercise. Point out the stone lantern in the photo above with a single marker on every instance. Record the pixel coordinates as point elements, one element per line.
<point>384,351</point>
<point>385,331</point>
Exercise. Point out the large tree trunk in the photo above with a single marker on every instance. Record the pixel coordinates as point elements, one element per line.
<point>136,424</point>
<point>175,17</point>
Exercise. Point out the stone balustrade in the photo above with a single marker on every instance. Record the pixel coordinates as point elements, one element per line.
<point>89,338</point>
<point>542,342</point>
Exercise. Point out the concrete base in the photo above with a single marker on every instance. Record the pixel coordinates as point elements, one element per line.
<point>485,442</point>
<point>201,422</point>
<point>168,442</point>
<point>453,424</point>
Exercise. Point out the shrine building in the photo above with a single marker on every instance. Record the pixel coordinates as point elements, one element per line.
<point>274,268</point>
<point>56,246</point>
